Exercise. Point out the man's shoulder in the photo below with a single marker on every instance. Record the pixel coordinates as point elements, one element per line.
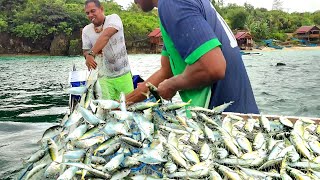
<point>113,16</point>
<point>114,20</point>
<point>179,6</point>
<point>179,3</point>
<point>87,27</point>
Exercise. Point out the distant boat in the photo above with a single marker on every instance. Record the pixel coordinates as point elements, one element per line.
<point>250,53</point>
<point>269,43</point>
<point>276,47</point>
<point>312,45</point>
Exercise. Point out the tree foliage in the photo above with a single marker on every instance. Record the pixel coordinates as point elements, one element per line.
<point>30,30</point>
<point>316,17</point>
<point>236,16</point>
<point>37,19</point>
<point>277,5</point>
<point>264,24</point>
<point>3,25</point>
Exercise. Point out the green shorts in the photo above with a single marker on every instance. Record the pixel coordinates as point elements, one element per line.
<point>112,87</point>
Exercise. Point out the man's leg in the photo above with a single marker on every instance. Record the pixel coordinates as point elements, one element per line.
<point>126,84</point>
<point>105,87</point>
<point>121,84</point>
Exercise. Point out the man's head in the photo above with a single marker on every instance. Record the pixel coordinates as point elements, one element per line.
<point>146,5</point>
<point>94,12</point>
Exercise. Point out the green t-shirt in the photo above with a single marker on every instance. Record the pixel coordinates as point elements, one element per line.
<point>198,97</point>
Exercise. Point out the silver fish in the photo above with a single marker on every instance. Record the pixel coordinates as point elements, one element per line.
<point>35,170</point>
<point>77,90</point>
<point>51,132</point>
<point>36,156</point>
<point>106,104</point>
<point>90,169</point>
<point>68,174</point>
<point>114,163</point>
<point>89,117</point>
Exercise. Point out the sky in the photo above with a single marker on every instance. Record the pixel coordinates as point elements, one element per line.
<point>288,5</point>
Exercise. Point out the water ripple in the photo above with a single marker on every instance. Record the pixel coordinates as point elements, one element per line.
<point>33,84</point>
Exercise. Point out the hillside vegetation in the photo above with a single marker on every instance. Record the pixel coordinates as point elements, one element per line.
<point>40,21</point>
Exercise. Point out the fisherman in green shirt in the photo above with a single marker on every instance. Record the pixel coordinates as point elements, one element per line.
<point>200,59</point>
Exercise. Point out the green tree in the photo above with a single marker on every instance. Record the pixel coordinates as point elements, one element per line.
<point>277,5</point>
<point>238,19</point>
<point>3,25</point>
<point>235,15</point>
<point>316,17</point>
<point>42,19</point>
<point>30,30</point>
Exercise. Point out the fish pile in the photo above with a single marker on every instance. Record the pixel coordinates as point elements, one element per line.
<point>106,139</point>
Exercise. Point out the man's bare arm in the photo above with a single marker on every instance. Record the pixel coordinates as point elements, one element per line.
<point>103,39</point>
<point>101,42</point>
<point>163,73</point>
<point>85,52</point>
<point>208,69</point>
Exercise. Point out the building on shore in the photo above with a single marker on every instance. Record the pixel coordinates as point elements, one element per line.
<point>310,34</point>
<point>245,40</point>
<point>155,39</point>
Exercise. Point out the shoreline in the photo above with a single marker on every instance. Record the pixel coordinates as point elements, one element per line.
<point>264,49</point>
<point>293,48</point>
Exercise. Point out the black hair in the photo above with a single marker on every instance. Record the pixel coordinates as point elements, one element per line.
<point>96,2</point>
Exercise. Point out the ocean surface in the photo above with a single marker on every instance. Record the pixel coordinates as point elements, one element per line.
<point>32,96</point>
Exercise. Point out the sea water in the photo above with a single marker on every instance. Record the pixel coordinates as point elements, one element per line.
<point>33,97</point>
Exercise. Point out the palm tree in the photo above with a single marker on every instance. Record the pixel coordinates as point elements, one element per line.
<point>277,5</point>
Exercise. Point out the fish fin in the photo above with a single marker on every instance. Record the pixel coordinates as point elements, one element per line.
<point>95,152</point>
<point>60,136</point>
<point>39,142</point>
<point>147,94</point>
<point>24,161</point>
<point>83,176</point>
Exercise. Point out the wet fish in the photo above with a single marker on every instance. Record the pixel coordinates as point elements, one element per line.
<point>154,91</point>
<point>149,140</point>
<point>35,170</point>
<point>51,132</point>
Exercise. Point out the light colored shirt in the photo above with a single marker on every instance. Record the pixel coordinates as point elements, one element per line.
<point>114,61</point>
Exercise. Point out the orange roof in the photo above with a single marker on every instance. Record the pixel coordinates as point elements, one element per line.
<point>242,34</point>
<point>155,33</point>
<point>159,34</point>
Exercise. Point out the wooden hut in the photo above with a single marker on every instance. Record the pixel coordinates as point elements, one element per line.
<point>308,33</point>
<point>244,39</point>
<point>155,38</point>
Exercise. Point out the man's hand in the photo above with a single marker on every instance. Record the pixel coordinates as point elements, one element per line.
<point>138,94</point>
<point>163,73</point>
<point>90,62</point>
<point>166,89</point>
